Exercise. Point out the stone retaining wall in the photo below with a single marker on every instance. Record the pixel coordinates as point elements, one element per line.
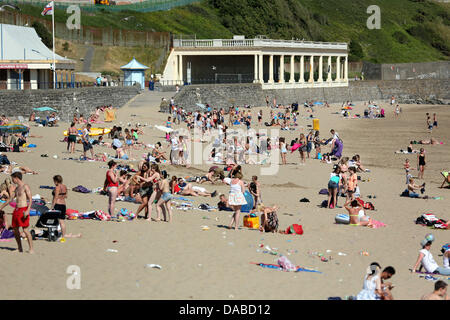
<point>225,95</point>
<point>66,101</point>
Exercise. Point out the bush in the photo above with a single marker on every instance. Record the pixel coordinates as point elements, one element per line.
<point>44,34</point>
<point>400,37</point>
<point>356,51</point>
<point>66,46</point>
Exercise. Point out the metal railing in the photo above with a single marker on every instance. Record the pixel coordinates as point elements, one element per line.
<point>202,43</point>
<point>25,85</point>
<point>143,6</point>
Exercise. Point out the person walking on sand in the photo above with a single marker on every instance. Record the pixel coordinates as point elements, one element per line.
<point>72,137</point>
<point>21,214</point>
<point>86,144</point>
<point>435,124</point>
<point>236,198</point>
<point>439,293</point>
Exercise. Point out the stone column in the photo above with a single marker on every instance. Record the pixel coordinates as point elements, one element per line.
<point>270,69</point>
<point>281,76</point>
<point>181,69</point>
<point>260,73</point>
<point>255,78</point>
<point>302,69</point>
<point>346,69</point>
<point>311,70</point>
<point>320,79</point>
<point>329,69</point>
<point>292,79</point>
<point>338,69</point>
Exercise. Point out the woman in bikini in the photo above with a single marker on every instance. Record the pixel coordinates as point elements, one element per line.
<point>356,214</point>
<point>333,187</point>
<point>421,163</point>
<point>153,176</point>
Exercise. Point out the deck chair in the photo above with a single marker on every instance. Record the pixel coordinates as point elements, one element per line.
<point>445,175</point>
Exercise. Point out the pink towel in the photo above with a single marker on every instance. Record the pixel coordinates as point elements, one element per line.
<point>377,224</point>
<point>295,146</point>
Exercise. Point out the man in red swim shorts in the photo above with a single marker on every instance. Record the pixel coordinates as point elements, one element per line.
<point>21,214</point>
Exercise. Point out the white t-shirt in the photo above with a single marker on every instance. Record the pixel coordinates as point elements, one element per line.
<point>428,262</point>
<point>174,144</point>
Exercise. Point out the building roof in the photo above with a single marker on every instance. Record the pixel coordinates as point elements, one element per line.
<point>134,65</point>
<point>24,44</point>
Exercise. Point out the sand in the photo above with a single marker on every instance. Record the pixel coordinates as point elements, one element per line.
<point>215,264</point>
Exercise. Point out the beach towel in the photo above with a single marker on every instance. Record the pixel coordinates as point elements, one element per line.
<point>295,146</point>
<point>81,189</point>
<point>278,267</point>
<point>110,115</point>
<point>377,224</point>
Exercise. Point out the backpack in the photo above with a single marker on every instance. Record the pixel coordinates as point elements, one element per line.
<point>323,191</point>
<point>4,159</point>
<point>324,204</point>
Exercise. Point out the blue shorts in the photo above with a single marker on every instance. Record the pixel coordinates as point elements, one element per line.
<point>166,196</point>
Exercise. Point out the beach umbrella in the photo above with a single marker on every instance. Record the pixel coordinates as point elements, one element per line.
<point>165,129</point>
<point>45,109</point>
<point>318,103</point>
<point>14,128</point>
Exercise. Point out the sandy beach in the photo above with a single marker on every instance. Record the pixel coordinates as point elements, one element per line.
<point>216,263</point>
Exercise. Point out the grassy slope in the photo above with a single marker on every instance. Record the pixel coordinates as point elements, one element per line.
<point>322,20</point>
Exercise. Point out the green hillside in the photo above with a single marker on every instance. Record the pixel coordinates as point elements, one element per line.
<point>411,30</point>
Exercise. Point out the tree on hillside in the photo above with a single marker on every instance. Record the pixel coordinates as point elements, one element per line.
<point>356,51</point>
<point>43,33</point>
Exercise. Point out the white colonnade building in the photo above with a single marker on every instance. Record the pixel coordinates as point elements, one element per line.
<point>275,64</point>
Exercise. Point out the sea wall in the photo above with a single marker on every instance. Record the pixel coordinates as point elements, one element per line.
<point>225,95</point>
<point>66,101</point>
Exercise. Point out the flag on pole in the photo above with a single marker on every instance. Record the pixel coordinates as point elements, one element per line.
<point>48,10</point>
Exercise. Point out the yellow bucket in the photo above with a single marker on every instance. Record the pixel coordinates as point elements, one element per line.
<point>316,125</point>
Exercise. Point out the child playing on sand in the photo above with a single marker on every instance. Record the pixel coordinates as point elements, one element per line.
<point>283,150</point>
<point>407,167</point>
<point>255,190</point>
<point>21,214</point>
<point>164,201</point>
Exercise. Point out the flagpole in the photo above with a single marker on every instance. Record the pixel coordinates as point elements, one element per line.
<point>53,34</point>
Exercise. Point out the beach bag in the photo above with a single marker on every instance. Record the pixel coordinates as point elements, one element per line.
<point>6,234</point>
<point>324,204</point>
<point>323,191</point>
<point>369,206</point>
<point>360,201</point>
<point>405,193</point>
<point>294,229</point>
<point>81,189</point>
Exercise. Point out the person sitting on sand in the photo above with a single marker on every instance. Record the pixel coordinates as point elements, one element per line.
<point>432,141</point>
<point>158,154</point>
<point>269,219</point>
<point>412,187</point>
<point>439,293</point>
<point>425,259</point>
<point>222,205</point>
<point>357,214</point>
<point>215,173</point>
<point>6,189</point>
<point>372,284</point>
<point>446,180</point>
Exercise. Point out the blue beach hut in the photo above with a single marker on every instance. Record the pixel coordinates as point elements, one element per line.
<point>134,72</point>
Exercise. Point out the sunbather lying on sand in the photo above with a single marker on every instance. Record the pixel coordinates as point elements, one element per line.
<point>181,187</point>
<point>9,169</point>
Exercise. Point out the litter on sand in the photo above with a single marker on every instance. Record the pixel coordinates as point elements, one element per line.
<point>155,266</point>
<point>112,250</point>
